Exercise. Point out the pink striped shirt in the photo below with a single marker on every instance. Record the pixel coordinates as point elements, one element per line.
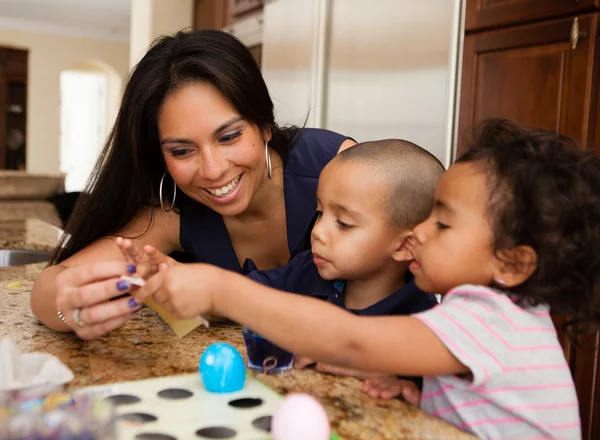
<point>520,385</point>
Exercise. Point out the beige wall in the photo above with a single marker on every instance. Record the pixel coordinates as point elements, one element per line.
<point>48,56</point>
<point>152,18</point>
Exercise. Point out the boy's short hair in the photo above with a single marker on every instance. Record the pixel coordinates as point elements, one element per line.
<point>412,173</point>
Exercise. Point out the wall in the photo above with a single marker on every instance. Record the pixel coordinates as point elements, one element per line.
<point>153,18</point>
<point>48,56</point>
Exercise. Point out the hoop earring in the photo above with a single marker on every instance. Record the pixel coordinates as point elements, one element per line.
<point>268,161</point>
<point>160,196</point>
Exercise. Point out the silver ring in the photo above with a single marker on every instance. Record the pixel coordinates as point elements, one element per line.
<point>76,319</point>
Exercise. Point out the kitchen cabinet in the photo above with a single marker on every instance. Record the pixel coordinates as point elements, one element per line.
<point>211,14</point>
<point>537,62</point>
<point>482,14</point>
<point>218,14</point>
<point>13,108</point>
<point>536,74</point>
<point>241,18</point>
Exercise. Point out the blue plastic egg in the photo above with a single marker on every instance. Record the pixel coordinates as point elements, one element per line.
<point>222,368</point>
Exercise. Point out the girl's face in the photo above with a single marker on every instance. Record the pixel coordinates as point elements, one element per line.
<point>213,154</point>
<point>454,246</point>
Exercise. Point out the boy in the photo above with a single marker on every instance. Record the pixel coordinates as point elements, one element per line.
<point>369,199</point>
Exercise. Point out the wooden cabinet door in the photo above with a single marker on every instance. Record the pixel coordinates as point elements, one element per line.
<point>586,373</point>
<point>532,74</point>
<point>211,14</point>
<point>481,14</point>
<point>583,361</point>
<point>2,121</point>
<point>16,66</point>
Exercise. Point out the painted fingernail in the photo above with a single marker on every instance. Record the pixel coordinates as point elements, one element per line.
<point>133,303</point>
<point>131,268</point>
<point>122,285</point>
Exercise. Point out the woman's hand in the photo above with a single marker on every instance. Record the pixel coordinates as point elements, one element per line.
<point>147,260</point>
<point>184,290</point>
<point>85,298</point>
<point>388,387</point>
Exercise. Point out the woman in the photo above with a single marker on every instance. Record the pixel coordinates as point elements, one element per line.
<point>194,163</point>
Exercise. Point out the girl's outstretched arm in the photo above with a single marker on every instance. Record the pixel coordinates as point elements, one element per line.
<point>306,326</point>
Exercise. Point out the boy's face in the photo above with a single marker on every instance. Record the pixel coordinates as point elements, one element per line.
<point>353,237</point>
<point>454,245</point>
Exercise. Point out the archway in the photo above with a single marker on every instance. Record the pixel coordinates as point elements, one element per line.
<point>89,94</point>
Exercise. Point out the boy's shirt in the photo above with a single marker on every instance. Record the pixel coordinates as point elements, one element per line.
<point>301,276</point>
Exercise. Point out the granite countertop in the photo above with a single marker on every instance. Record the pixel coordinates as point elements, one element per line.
<point>30,234</point>
<point>22,185</point>
<point>146,347</point>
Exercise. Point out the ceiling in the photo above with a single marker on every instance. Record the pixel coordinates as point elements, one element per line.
<point>102,19</point>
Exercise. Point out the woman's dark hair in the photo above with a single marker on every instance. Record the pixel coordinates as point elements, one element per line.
<point>127,174</point>
<point>544,192</point>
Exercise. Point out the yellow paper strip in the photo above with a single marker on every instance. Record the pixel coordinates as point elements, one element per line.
<point>181,327</point>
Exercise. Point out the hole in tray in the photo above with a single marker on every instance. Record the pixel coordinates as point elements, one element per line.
<point>138,417</point>
<point>246,402</point>
<point>216,432</point>
<point>175,393</point>
<point>263,423</point>
<point>154,436</point>
<point>123,399</point>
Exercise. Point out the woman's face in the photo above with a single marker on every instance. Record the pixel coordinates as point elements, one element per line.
<point>212,154</point>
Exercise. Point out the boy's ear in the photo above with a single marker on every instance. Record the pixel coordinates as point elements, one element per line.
<point>514,266</point>
<point>401,252</point>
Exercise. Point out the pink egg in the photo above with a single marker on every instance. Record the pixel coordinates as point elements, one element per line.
<point>300,417</point>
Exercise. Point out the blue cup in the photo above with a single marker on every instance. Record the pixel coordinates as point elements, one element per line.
<point>265,357</point>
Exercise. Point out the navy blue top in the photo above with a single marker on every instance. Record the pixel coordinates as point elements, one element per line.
<point>203,234</point>
<point>301,276</point>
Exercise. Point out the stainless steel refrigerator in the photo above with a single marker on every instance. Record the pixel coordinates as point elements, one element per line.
<point>368,69</point>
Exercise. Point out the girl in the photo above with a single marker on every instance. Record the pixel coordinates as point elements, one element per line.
<point>514,232</point>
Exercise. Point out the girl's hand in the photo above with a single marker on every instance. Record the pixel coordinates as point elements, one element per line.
<point>388,387</point>
<point>84,297</point>
<point>147,260</point>
<point>302,362</point>
<point>349,372</point>
<point>184,290</point>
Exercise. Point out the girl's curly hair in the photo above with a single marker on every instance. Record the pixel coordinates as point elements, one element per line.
<point>544,192</point>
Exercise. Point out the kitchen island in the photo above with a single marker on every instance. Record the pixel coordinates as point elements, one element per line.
<point>146,347</point>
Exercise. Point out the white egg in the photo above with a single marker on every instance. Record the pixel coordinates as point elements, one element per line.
<point>300,417</point>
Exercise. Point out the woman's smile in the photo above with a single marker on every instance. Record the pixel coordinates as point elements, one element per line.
<point>225,193</point>
<point>223,190</point>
